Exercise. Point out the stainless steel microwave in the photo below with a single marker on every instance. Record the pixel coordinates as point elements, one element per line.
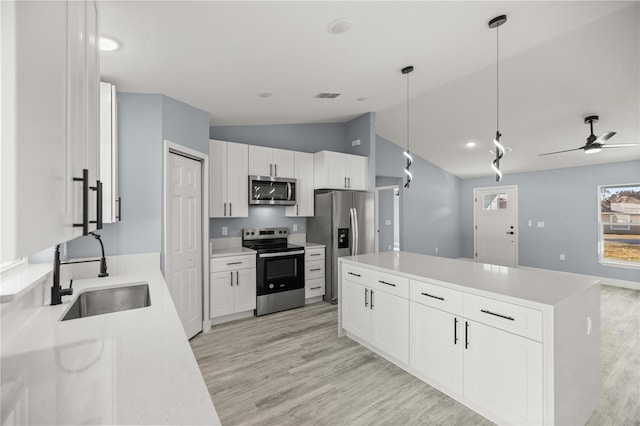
<point>268,190</point>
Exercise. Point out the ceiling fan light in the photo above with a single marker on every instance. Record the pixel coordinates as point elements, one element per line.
<point>592,150</point>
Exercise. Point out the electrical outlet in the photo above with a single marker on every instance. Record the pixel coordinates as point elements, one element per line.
<point>530,223</point>
<point>436,249</point>
<point>561,256</point>
<point>355,142</point>
<point>387,221</point>
<point>295,227</point>
<point>540,224</point>
<point>588,326</point>
<point>225,230</point>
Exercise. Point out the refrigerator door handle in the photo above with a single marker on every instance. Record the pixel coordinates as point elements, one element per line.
<point>357,233</point>
<point>352,224</point>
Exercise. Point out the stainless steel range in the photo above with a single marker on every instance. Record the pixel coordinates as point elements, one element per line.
<point>279,269</point>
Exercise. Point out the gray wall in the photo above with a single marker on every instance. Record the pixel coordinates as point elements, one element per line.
<point>363,128</point>
<point>566,200</point>
<point>144,121</point>
<point>297,137</point>
<point>429,209</point>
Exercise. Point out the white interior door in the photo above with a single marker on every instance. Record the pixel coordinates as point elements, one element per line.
<point>183,269</point>
<point>496,225</point>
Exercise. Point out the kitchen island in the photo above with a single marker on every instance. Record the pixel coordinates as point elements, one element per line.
<point>127,367</point>
<point>517,345</point>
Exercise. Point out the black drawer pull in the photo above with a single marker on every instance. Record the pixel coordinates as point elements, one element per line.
<point>466,335</point>
<point>315,288</point>
<point>234,263</point>
<point>384,282</point>
<point>315,254</point>
<point>355,275</point>
<point>431,295</point>
<point>315,269</point>
<point>497,315</point>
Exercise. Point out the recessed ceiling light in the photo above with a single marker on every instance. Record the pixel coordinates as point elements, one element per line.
<point>265,94</point>
<point>340,26</point>
<point>470,144</point>
<point>107,44</point>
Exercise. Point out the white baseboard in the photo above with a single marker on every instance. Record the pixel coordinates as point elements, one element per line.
<point>231,317</point>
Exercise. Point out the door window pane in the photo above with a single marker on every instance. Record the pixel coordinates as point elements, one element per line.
<point>494,201</point>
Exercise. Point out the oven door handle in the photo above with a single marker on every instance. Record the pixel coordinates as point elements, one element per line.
<point>281,254</point>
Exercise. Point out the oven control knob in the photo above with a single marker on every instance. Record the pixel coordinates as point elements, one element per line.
<point>271,286</point>
<point>253,233</point>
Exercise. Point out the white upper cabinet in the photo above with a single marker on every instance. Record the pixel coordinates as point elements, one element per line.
<point>49,122</point>
<point>111,207</point>
<point>228,179</point>
<point>304,190</point>
<point>274,162</point>
<point>335,170</point>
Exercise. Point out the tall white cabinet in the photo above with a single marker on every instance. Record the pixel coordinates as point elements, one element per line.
<point>228,179</point>
<point>49,122</point>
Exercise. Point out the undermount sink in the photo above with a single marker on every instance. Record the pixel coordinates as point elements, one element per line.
<point>108,300</point>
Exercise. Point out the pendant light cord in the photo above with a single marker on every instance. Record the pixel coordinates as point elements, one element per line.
<point>497,79</point>
<point>408,112</point>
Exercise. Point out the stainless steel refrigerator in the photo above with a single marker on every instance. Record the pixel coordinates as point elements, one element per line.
<point>344,222</point>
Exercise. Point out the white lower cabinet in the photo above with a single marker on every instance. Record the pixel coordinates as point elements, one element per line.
<point>232,285</point>
<point>377,317</point>
<point>490,362</point>
<point>437,346</point>
<point>504,373</point>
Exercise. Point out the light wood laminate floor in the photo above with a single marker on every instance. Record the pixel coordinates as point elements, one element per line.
<point>290,368</point>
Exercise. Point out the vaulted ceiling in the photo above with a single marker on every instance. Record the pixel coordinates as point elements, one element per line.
<point>559,61</point>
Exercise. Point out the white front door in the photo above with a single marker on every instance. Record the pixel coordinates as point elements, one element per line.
<point>496,225</point>
<point>183,269</point>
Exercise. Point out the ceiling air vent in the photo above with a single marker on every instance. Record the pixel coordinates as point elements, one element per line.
<point>325,95</point>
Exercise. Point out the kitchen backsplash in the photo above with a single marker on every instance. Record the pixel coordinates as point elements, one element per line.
<point>259,217</point>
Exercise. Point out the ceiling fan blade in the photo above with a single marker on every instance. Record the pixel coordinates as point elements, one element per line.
<point>558,152</point>
<point>604,137</point>
<point>618,145</point>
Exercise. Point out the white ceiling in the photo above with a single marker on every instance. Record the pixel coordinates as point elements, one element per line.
<point>560,61</point>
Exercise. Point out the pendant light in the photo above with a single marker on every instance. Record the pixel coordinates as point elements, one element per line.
<point>495,164</point>
<point>407,171</point>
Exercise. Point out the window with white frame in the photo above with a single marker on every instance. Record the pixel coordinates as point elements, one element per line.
<point>619,224</point>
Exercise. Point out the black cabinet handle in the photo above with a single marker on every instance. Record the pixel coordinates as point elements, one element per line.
<point>366,302</point>
<point>318,254</point>
<point>484,311</point>
<point>371,299</point>
<point>355,275</point>
<point>466,334</point>
<point>225,209</point>
<point>431,295</point>
<point>315,269</point>
<point>384,282</point>
<point>315,288</point>
<point>234,263</point>
<point>455,331</point>
<point>510,232</point>
<point>237,278</point>
<point>98,189</point>
<point>85,202</point>
<point>119,216</point>
<point>231,281</point>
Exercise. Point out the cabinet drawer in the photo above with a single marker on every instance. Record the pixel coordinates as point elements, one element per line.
<point>436,296</point>
<point>392,284</point>
<point>355,274</point>
<point>526,322</point>
<point>313,254</point>
<point>314,269</point>
<point>232,263</point>
<point>314,287</point>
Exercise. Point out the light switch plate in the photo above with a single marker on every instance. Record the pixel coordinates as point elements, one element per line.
<point>540,224</point>
<point>295,227</point>
<point>225,230</point>
<point>530,223</point>
<point>562,257</point>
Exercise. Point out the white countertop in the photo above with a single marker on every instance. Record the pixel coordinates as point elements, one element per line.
<point>534,285</point>
<point>311,245</point>
<point>231,251</point>
<point>129,367</point>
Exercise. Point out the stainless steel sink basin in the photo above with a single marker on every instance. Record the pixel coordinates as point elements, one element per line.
<point>108,300</point>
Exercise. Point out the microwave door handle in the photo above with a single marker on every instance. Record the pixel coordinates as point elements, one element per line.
<point>288,191</point>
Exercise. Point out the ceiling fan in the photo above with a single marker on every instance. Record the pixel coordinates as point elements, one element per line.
<point>594,144</point>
